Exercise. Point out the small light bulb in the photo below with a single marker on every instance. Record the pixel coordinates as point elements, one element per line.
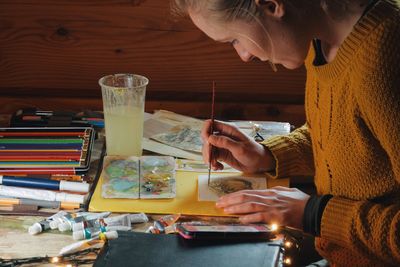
<point>287,261</point>
<point>55,260</point>
<point>274,227</point>
<point>288,244</point>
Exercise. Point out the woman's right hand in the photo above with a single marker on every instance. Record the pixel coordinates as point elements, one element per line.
<point>235,148</point>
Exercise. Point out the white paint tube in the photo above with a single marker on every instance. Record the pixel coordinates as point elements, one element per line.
<point>70,219</point>
<point>44,225</point>
<point>89,233</point>
<point>121,220</point>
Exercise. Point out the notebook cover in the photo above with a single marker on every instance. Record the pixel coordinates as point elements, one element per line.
<point>141,249</point>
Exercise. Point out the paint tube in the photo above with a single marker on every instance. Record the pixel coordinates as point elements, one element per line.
<point>121,220</point>
<point>44,225</point>
<point>86,244</point>
<point>89,233</point>
<point>66,223</point>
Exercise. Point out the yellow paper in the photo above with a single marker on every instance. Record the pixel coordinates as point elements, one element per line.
<point>185,201</point>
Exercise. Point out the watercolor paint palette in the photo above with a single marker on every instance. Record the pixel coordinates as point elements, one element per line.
<point>46,148</point>
<point>146,177</point>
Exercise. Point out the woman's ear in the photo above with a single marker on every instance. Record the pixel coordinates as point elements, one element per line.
<point>272,7</point>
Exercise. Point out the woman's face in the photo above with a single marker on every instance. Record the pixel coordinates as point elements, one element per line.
<point>252,40</point>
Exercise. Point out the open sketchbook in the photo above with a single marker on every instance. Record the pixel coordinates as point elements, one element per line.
<point>146,177</point>
<point>177,135</point>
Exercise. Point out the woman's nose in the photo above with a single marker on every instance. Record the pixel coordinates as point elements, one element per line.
<point>243,54</point>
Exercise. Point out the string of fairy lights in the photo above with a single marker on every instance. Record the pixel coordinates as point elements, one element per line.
<point>79,258</point>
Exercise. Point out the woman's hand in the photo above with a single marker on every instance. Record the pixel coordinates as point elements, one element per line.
<point>235,148</point>
<point>281,205</point>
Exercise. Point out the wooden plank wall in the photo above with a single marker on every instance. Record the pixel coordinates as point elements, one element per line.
<point>52,54</point>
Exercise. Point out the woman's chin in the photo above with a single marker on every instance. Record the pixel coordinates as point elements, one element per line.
<point>292,65</point>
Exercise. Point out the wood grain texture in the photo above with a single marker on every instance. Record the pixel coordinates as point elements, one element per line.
<point>61,48</point>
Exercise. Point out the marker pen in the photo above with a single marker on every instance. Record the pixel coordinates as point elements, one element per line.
<point>39,194</point>
<point>39,203</point>
<point>44,183</point>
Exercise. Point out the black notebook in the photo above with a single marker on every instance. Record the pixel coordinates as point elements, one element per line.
<point>142,249</point>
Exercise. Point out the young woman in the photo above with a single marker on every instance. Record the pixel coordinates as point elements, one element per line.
<point>351,140</point>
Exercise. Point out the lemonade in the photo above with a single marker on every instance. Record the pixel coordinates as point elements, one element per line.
<point>124,131</point>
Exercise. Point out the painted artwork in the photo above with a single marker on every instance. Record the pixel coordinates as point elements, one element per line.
<point>222,184</point>
<point>157,177</point>
<point>121,177</point>
<point>134,178</point>
<point>185,137</point>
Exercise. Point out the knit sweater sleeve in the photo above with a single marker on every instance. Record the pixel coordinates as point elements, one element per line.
<point>374,226</point>
<point>293,154</point>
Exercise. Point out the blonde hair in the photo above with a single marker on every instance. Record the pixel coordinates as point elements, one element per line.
<point>225,10</point>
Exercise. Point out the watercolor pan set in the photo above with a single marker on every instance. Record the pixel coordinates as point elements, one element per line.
<point>46,150</point>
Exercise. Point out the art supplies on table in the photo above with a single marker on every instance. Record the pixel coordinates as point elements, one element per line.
<point>172,250</point>
<point>45,150</point>
<point>146,177</point>
<point>32,117</point>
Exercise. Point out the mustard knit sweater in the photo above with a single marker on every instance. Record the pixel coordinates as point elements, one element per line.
<point>351,142</point>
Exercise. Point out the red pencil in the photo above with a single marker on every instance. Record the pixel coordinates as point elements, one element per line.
<point>78,134</point>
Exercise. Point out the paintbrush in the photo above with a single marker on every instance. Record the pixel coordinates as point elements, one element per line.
<point>211,131</point>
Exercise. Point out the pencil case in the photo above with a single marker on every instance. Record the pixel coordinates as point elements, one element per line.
<point>46,149</point>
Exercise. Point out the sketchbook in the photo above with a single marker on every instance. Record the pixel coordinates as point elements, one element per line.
<point>141,249</point>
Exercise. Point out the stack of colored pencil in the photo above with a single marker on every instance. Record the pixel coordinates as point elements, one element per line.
<point>38,164</point>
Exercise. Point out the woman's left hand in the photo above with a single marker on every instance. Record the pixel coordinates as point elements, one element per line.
<point>281,205</point>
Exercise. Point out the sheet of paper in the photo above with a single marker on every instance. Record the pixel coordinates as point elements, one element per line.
<point>186,137</point>
<point>172,134</point>
<point>221,184</point>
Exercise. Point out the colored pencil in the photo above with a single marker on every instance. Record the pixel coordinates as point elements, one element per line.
<point>39,146</point>
<point>41,141</point>
<point>65,171</point>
